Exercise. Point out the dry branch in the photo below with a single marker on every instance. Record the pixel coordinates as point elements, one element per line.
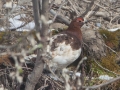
<point>37,71</point>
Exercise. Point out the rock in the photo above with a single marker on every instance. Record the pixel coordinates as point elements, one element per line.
<point>93,43</point>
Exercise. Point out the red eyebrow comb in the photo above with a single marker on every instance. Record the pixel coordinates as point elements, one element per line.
<point>80,18</point>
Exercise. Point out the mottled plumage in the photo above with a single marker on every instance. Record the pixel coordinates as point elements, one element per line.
<point>65,47</point>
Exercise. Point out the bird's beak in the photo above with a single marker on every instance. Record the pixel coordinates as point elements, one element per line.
<point>85,21</point>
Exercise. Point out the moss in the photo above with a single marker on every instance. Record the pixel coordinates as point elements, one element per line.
<point>96,69</point>
<point>58,30</point>
<point>1,36</point>
<point>111,38</point>
<point>118,35</point>
<point>54,32</point>
<point>106,62</point>
<point>20,71</point>
<point>93,70</point>
<point>109,62</point>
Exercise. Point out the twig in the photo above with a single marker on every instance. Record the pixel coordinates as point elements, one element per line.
<point>105,68</point>
<point>111,50</point>
<point>101,6</point>
<point>81,61</point>
<point>54,81</point>
<point>42,87</point>
<point>73,7</point>
<point>101,85</point>
<point>89,13</point>
<point>27,52</point>
<point>51,4</point>
<point>39,64</point>
<point>88,8</point>
<point>62,4</point>
<point>60,18</point>
<point>17,43</point>
<point>54,73</point>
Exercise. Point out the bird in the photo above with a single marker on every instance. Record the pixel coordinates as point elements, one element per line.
<point>66,47</point>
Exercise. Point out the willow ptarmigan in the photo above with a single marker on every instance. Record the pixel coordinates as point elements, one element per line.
<point>65,47</point>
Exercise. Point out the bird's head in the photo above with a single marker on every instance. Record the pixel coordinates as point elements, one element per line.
<point>77,22</point>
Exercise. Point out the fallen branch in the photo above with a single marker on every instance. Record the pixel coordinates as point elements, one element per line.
<point>60,18</point>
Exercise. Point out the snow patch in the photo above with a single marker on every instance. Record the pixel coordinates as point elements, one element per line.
<point>105,77</point>
<point>78,74</point>
<point>114,29</point>
<point>15,23</point>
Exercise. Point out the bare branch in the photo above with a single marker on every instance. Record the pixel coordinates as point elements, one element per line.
<point>39,65</point>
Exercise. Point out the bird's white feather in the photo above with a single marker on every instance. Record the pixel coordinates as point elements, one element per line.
<point>63,55</point>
